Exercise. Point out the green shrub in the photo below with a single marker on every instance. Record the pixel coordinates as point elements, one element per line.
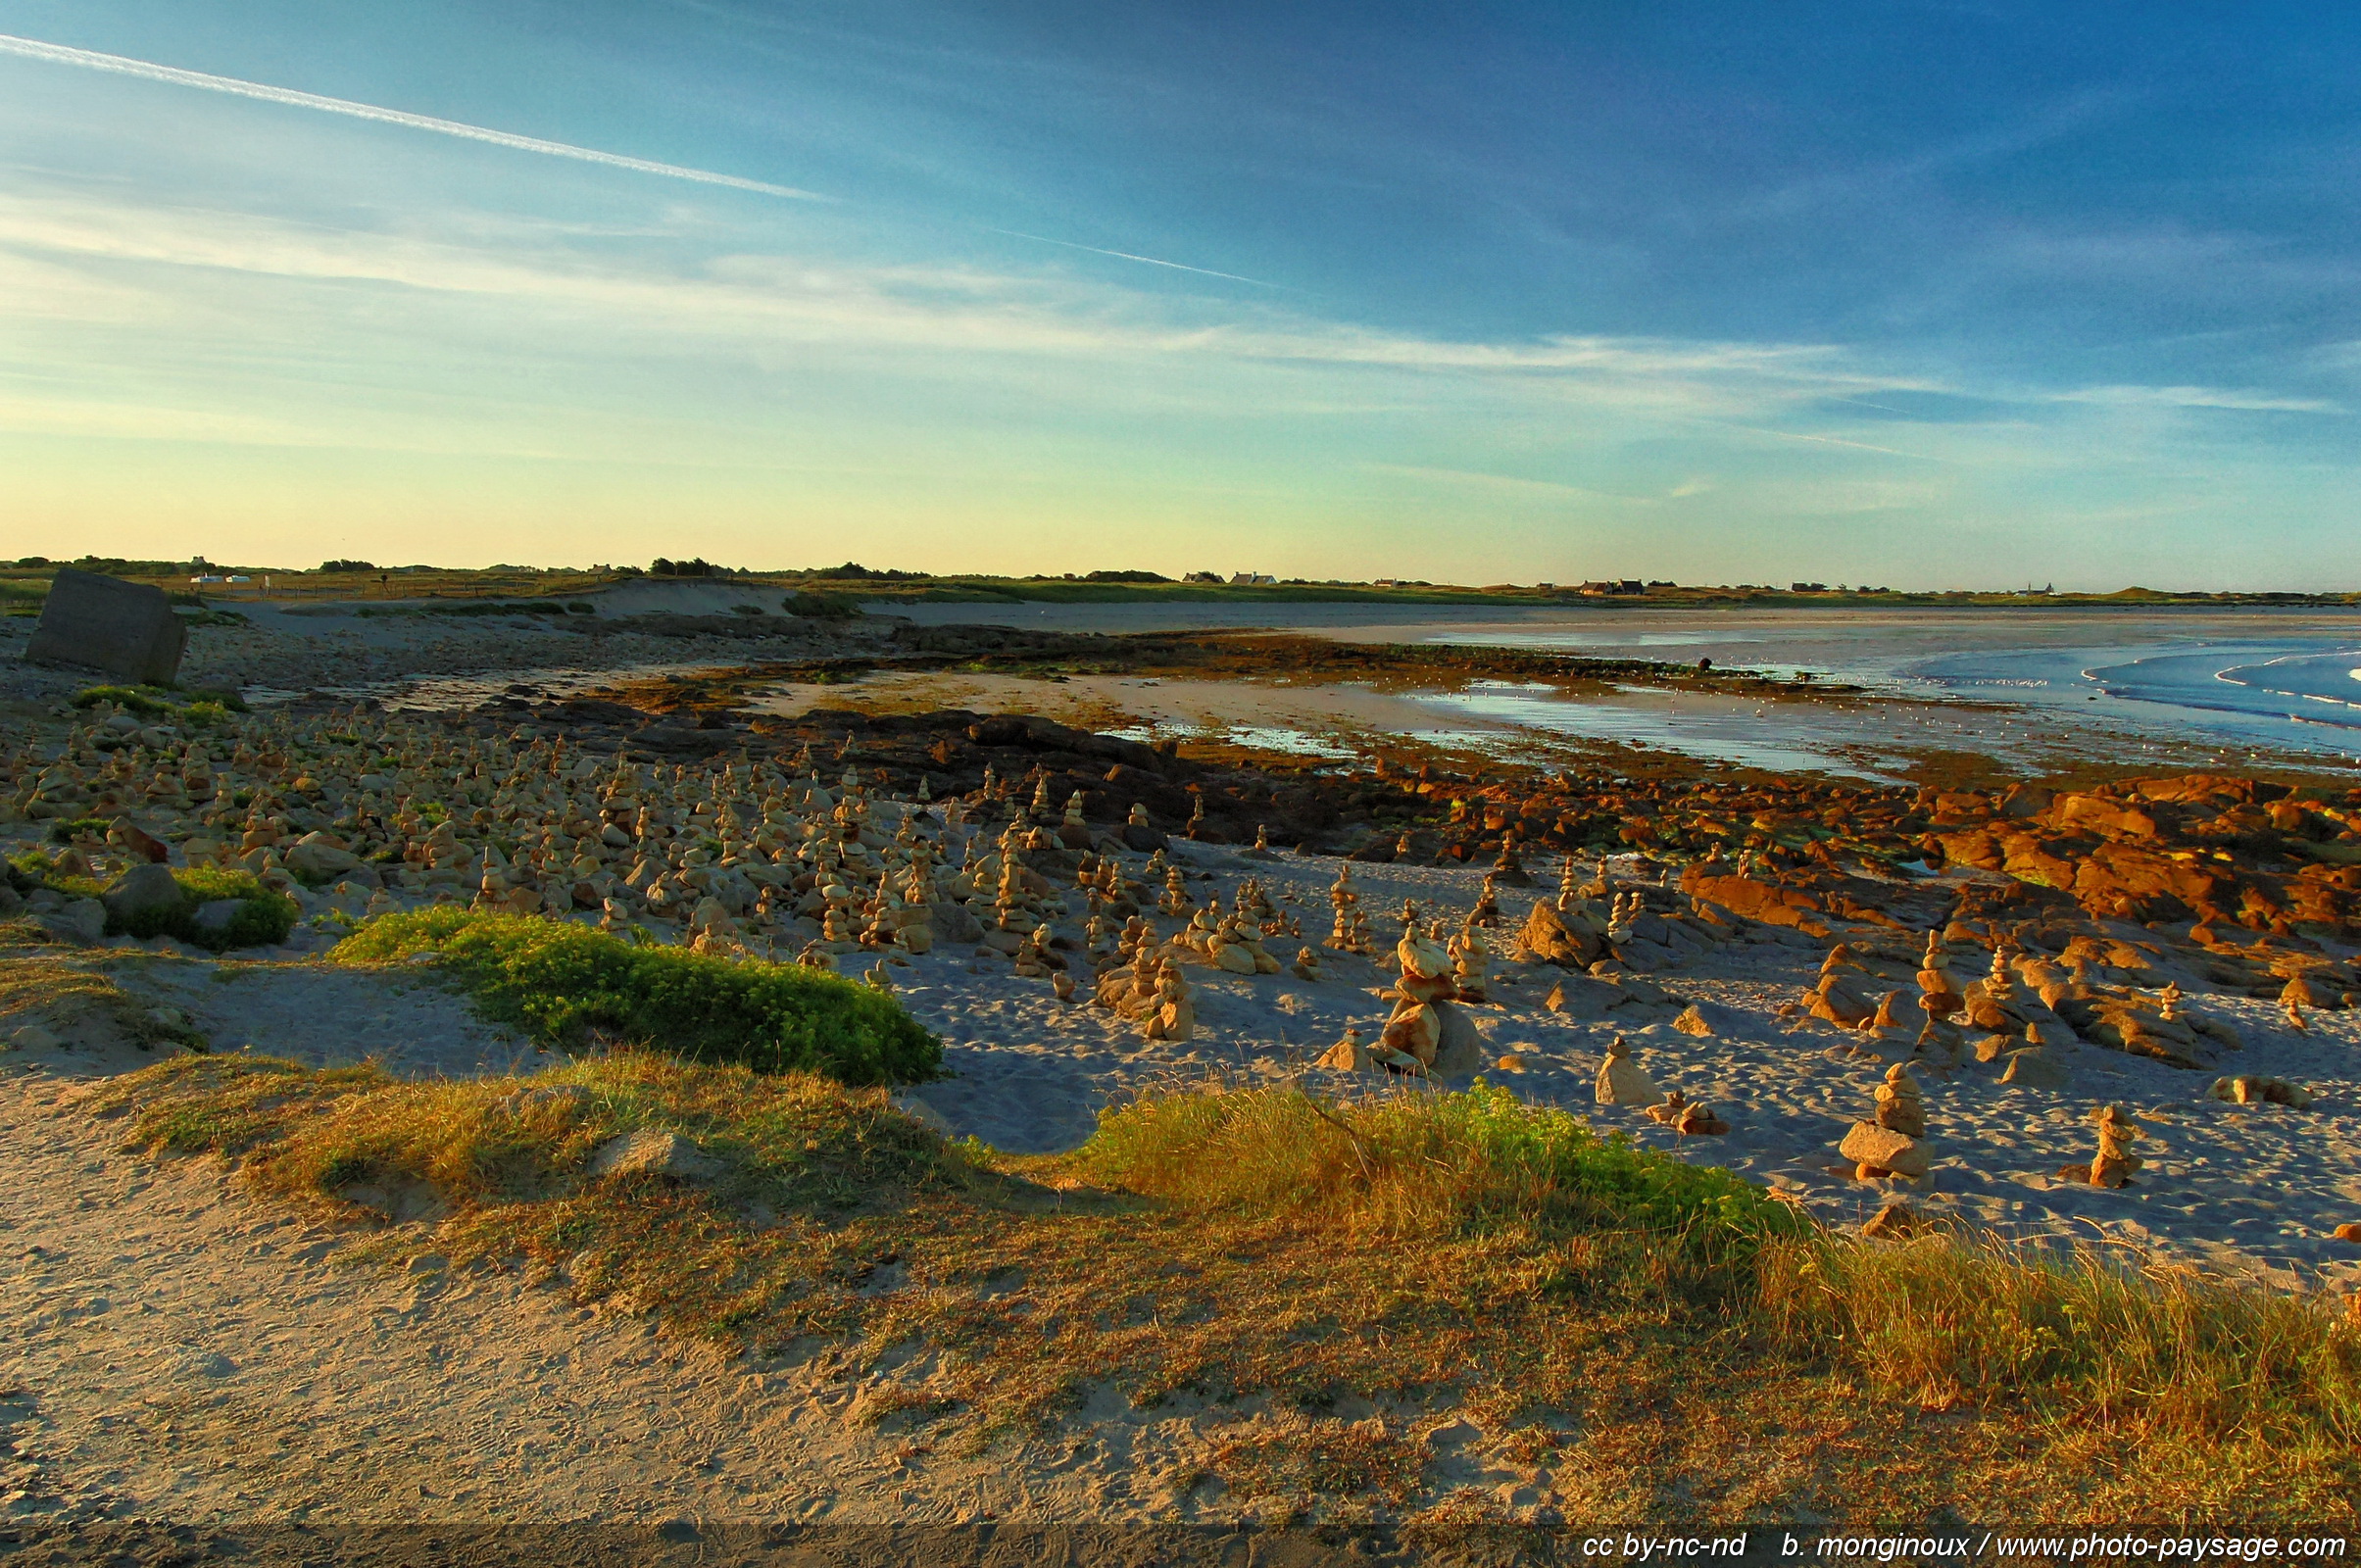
<point>38,868</point>
<point>821,606</point>
<point>65,830</point>
<point>562,980</point>
<point>262,917</point>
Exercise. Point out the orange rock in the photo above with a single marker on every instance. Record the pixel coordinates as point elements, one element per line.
<point>2102,815</point>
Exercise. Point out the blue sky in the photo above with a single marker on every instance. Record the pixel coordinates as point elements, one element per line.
<point>1932,295</point>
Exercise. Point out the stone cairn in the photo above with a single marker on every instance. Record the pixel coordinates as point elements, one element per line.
<point>2114,1163</point>
<point>1623,1081</point>
<point>1894,1142</point>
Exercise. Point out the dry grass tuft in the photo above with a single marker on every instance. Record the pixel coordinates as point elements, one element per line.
<point>1692,1349</point>
<point>2090,1337</point>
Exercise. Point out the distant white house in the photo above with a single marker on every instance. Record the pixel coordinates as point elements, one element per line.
<point>1249,579</point>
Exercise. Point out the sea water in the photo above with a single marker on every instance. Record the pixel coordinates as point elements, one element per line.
<point>2034,688</point>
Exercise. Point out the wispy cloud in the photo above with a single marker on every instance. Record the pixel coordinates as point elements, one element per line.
<point>2195,397</point>
<point>281,325</point>
<point>1509,484</point>
<point>745,298</point>
<point>148,70</point>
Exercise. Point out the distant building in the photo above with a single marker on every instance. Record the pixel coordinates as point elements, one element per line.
<point>1202,576</point>
<point>1249,579</point>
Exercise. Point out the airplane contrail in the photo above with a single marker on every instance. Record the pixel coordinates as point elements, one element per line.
<point>1178,267</point>
<point>120,65</point>
<point>91,60</point>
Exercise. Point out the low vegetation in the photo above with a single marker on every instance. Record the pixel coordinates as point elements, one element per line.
<point>200,709</point>
<point>42,982</point>
<point>261,918</point>
<point>821,606</point>
<point>570,985</point>
<point>1678,1345</point>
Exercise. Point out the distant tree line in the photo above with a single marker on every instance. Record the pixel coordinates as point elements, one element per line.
<point>855,571</point>
<point>117,565</point>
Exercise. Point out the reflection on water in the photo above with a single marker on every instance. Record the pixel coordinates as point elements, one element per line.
<point>1255,737</point>
<point>1730,730</point>
<point>2230,680</point>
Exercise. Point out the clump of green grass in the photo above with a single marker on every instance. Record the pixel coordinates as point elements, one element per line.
<point>201,708</point>
<point>65,830</point>
<point>562,981</point>
<point>1405,1166</point>
<point>262,917</point>
<point>320,1132</point>
<point>148,703</point>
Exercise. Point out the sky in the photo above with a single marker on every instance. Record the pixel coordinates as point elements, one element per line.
<point>1933,295</point>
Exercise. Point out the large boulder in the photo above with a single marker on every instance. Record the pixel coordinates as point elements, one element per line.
<point>98,622</point>
<point>1035,733</point>
<point>1547,940</point>
<point>1461,1049</point>
<point>1578,995</point>
<point>145,892</point>
<point>953,922</point>
<point>2035,1070</point>
<point>313,856</point>
<point>77,920</point>
<point>2107,816</point>
<point>1842,1001</point>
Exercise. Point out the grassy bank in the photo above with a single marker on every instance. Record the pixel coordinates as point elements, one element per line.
<point>1679,1345</point>
<point>569,985</point>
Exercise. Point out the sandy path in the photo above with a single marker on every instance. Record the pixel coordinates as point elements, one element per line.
<point>267,1381</point>
<point>174,1348</point>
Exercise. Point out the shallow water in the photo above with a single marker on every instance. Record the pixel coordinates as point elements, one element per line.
<point>2193,686</point>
